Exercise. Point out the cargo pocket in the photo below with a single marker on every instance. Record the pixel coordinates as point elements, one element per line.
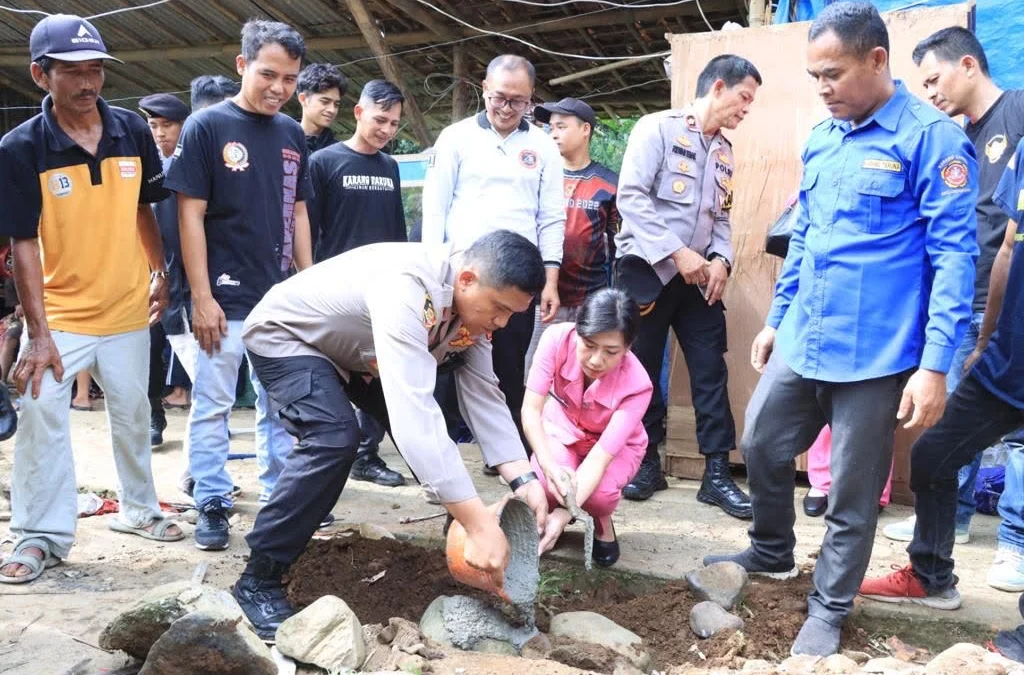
<point>678,183</point>
<point>286,392</point>
<point>874,191</point>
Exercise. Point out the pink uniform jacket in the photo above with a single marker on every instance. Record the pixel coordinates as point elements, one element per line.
<point>609,413</point>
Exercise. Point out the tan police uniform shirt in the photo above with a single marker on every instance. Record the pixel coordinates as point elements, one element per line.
<point>675,191</point>
<point>386,310</point>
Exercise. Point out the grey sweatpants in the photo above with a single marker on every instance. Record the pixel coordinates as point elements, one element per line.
<point>784,416</point>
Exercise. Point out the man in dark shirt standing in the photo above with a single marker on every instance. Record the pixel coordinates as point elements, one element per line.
<point>591,219</point>
<point>321,86</point>
<point>954,69</point>
<point>357,201</point>
<point>240,174</point>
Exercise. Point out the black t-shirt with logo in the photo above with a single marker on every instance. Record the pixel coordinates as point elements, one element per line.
<point>994,136</point>
<point>356,200</point>
<point>251,170</point>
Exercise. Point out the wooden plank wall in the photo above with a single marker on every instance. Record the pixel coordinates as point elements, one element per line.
<point>767,147</point>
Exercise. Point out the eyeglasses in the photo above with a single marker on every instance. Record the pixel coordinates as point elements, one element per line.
<point>499,102</point>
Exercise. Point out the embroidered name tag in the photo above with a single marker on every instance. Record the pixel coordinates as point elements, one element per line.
<point>882,165</point>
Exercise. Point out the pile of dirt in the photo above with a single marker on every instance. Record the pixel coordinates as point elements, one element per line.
<point>659,612</point>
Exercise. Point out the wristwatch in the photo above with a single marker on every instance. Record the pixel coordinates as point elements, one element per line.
<point>522,480</point>
<point>157,274</point>
<point>725,261</point>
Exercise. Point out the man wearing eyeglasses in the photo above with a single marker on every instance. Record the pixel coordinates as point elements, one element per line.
<point>495,171</point>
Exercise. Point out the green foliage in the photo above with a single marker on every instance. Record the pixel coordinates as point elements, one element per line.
<point>609,142</point>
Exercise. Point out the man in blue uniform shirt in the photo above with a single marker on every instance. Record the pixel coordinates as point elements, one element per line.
<point>988,403</point>
<point>872,301</point>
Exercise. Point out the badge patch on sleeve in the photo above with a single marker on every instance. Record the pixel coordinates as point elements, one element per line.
<point>429,315</point>
<point>954,173</point>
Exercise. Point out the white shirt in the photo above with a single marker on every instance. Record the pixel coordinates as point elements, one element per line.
<point>479,182</point>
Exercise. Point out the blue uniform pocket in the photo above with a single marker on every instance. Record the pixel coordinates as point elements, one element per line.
<point>875,194</point>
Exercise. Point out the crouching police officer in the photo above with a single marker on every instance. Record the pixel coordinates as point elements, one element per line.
<point>674,257</point>
<point>370,328</point>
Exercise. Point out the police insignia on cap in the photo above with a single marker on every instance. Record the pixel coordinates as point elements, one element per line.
<point>679,187</point>
<point>236,156</point>
<point>954,173</point>
<point>684,141</point>
<point>429,315</point>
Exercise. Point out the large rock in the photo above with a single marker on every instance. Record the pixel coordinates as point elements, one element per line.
<point>596,629</point>
<point>199,643</point>
<point>837,664</point>
<point>398,645</point>
<point>325,634</point>
<point>136,630</point>
<point>723,583</point>
<point>890,664</point>
<point>464,622</point>
<point>966,658</point>
<point>801,664</point>
<point>708,618</point>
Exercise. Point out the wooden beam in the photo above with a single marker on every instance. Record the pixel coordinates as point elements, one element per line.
<point>380,50</point>
<point>460,94</point>
<point>614,65</point>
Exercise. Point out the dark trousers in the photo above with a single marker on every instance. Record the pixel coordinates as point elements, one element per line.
<point>973,420</point>
<point>509,347</point>
<point>784,416</point>
<point>315,406</point>
<point>700,330</point>
<point>157,365</point>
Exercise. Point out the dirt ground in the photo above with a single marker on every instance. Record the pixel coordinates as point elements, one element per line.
<point>52,625</point>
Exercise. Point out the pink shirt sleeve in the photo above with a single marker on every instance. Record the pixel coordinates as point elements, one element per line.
<point>545,359</point>
<point>630,412</point>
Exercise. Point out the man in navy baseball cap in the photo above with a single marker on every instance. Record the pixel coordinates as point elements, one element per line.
<point>567,106</point>
<point>66,37</point>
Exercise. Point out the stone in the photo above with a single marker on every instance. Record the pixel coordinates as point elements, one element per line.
<point>624,668</point>
<point>285,666</point>
<point>135,630</point>
<point>758,666</point>
<point>584,655</point>
<point>212,645</point>
<point>492,646</point>
<point>325,634</point>
<point>723,583</point>
<point>537,647</point>
<point>432,622</point>
<point>390,646</point>
<point>460,621</point>
<point>371,531</point>
<point>860,658</point>
<point>964,658</point>
<point>802,664</point>
<point>708,619</point>
<point>596,629</point>
<point>837,664</point>
<point>889,664</point>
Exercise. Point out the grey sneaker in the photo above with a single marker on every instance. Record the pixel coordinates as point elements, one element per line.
<point>904,531</point>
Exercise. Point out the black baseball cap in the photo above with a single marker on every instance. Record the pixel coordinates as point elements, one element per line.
<point>567,106</point>
<point>66,37</point>
<point>164,105</point>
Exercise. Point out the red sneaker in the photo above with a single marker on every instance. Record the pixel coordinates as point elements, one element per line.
<point>903,586</point>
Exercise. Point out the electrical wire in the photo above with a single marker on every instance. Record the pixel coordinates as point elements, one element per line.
<point>126,9</point>
<point>620,89</point>
<point>23,11</point>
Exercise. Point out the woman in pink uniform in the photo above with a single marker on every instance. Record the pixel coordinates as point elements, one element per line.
<point>586,395</point>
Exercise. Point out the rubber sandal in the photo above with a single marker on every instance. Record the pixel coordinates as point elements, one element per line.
<point>83,408</point>
<point>34,564</point>
<point>159,532</point>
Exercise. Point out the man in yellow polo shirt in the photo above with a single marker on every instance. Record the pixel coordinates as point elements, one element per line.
<point>76,181</point>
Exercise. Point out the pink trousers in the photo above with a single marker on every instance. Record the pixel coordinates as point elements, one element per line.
<point>818,473</point>
<point>609,491</point>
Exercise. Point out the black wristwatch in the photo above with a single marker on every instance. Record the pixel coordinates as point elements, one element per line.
<point>725,261</point>
<point>522,480</point>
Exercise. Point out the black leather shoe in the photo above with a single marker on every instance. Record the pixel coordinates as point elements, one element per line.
<point>265,602</point>
<point>157,422</point>
<point>717,488</point>
<point>156,435</point>
<point>815,506</point>
<point>646,482</point>
<point>371,468</point>
<point>606,553</point>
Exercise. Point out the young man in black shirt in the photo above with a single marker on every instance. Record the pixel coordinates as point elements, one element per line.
<point>240,174</point>
<point>357,201</point>
<point>321,86</point>
<point>954,68</point>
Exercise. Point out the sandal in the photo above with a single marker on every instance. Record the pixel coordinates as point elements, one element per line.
<point>159,532</point>
<point>34,564</point>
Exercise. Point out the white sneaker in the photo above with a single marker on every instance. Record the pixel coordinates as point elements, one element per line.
<point>1007,571</point>
<point>904,531</point>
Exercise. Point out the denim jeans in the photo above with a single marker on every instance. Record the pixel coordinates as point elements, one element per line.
<point>968,475</point>
<point>206,438</point>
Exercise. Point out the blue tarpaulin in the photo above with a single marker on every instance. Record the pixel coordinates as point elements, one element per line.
<point>1000,23</point>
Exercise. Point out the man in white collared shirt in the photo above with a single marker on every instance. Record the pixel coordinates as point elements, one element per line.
<point>495,171</point>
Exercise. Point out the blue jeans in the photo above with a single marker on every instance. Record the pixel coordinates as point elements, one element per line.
<point>206,438</point>
<point>1011,503</point>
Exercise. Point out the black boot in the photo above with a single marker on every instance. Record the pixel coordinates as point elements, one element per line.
<point>261,595</point>
<point>647,481</point>
<point>370,467</point>
<point>157,422</point>
<point>718,488</point>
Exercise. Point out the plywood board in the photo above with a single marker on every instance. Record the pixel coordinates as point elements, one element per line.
<point>767,149</point>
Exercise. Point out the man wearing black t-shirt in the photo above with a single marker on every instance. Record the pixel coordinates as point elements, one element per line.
<point>321,87</point>
<point>240,174</point>
<point>357,201</point>
<point>954,69</point>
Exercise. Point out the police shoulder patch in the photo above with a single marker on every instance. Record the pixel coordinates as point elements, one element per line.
<point>429,315</point>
